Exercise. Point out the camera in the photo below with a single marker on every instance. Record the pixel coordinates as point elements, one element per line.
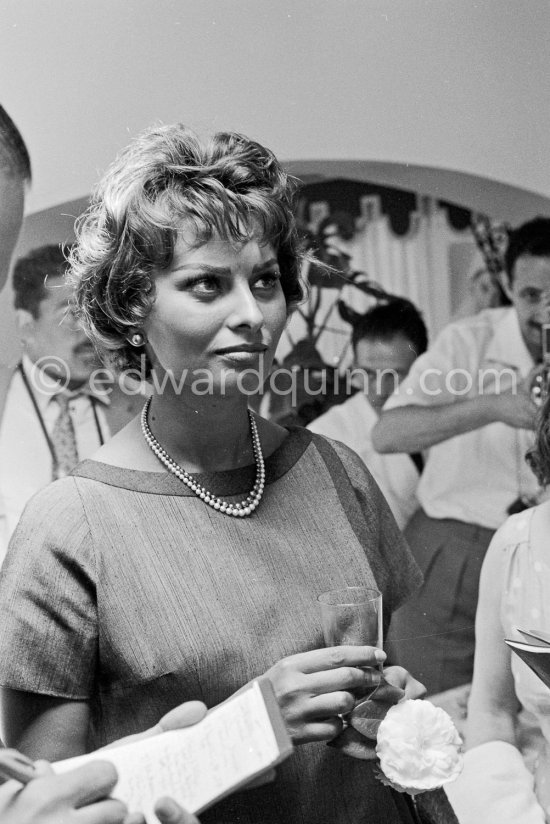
<point>541,382</point>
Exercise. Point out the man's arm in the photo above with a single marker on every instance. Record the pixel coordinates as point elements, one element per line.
<point>413,428</point>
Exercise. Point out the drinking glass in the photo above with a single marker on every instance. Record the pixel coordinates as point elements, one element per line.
<point>352,615</point>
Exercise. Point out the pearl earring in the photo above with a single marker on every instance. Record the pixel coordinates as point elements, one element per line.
<point>137,339</point>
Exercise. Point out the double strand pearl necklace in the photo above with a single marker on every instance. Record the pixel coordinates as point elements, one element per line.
<point>239,510</point>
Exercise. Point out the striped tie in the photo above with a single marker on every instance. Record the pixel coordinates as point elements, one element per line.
<point>63,439</point>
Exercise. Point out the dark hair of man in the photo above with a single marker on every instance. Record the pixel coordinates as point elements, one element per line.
<point>531,238</point>
<point>386,320</point>
<point>14,157</point>
<point>30,274</point>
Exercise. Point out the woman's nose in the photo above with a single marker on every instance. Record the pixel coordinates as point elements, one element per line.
<point>246,310</point>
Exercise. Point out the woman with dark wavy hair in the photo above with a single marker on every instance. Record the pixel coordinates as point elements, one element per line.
<point>498,784</point>
<point>185,559</point>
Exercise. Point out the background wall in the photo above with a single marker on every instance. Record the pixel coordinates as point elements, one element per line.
<point>430,84</point>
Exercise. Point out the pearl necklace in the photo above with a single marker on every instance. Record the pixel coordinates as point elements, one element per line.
<point>240,510</point>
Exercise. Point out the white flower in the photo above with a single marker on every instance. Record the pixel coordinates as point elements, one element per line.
<point>418,747</point>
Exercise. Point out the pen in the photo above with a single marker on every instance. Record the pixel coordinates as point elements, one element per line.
<point>14,764</point>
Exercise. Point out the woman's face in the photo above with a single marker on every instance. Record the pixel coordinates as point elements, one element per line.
<point>217,317</point>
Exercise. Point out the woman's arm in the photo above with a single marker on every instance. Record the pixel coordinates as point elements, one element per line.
<point>49,640</point>
<point>495,786</point>
<point>42,726</point>
<point>493,705</point>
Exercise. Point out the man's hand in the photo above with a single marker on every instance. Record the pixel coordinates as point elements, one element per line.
<point>51,799</point>
<point>81,795</point>
<point>168,812</point>
<point>517,408</point>
<point>184,715</point>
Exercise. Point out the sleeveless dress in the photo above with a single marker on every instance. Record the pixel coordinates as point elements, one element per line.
<point>526,605</point>
<point>123,588</point>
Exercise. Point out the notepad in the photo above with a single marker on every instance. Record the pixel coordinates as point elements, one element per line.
<point>196,766</point>
<point>535,652</point>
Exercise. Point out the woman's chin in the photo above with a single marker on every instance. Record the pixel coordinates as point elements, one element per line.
<point>239,386</point>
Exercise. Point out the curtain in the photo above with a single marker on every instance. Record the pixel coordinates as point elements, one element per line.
<point>416,265</point>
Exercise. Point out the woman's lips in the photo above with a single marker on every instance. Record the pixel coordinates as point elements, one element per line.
<point>246,354</point>
<point>244,347</point>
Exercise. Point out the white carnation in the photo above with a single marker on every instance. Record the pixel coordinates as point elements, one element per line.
<point>418,746</point>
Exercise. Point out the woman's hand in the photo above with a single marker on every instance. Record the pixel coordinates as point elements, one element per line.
<point>314,688</point>
<point>399,677</point>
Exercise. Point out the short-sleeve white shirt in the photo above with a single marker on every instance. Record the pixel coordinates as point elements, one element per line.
<point>351,423</point>
<point>472,477</point>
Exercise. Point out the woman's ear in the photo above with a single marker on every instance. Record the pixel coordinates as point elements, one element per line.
<point>136,338</point>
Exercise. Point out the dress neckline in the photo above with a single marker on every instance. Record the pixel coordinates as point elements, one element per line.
<point>227,482</point>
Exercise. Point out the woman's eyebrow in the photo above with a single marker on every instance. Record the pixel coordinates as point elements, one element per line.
<point>208,269</point>
<point>203,267</point>
<point>266,264</point>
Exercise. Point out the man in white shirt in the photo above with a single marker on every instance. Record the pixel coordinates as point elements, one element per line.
<point>468,401</point>
<point>386,341</point>
<point>55,407</point>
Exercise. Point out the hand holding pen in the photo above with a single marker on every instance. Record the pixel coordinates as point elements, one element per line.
<point>35,795</point>
<point>77,797</point>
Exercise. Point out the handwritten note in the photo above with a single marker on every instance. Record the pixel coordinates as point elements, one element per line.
<point>197,765</point>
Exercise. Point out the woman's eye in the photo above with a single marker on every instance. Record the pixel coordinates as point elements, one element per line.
<point>206,285</point>
<point>267,281</point>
